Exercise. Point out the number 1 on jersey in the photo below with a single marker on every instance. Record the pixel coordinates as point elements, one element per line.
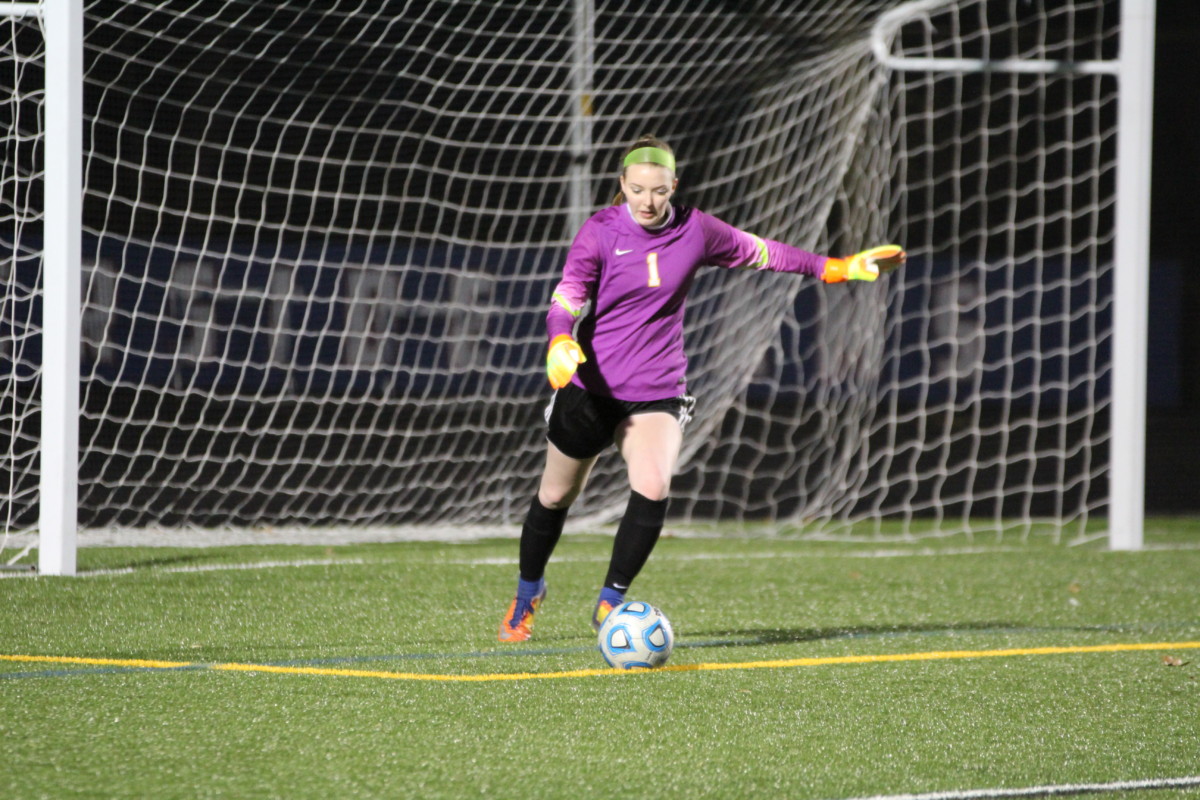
<point>652,265</point>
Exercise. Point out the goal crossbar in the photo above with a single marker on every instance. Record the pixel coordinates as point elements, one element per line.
<point>20,10</point>
<point>890,22</point>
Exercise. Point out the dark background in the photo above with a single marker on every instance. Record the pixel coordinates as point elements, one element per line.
<point>1173,429</point>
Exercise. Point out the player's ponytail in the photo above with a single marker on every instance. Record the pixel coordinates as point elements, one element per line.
<point>646,140</point>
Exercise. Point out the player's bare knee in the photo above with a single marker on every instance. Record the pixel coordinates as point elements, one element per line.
<point>556,498</point>
<point>652,488</point>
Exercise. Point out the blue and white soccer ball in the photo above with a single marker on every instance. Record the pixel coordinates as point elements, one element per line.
<point>636,634</point>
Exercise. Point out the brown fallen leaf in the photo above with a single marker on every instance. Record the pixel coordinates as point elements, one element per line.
<point>1172,661</point>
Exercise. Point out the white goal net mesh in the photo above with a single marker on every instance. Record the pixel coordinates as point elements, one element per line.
<point>320,239</point>
<point>22,85</point>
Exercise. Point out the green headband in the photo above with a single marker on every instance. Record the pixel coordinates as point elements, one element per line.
<point>651,155</point>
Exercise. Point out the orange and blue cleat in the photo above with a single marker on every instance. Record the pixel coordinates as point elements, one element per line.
<point>603,609</point>
<point>517,625</point>
<point>609,599</point>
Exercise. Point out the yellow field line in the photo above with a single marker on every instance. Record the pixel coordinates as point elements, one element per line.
<point>98,662</point>
<point>415,676</point>
<point>937,655</point>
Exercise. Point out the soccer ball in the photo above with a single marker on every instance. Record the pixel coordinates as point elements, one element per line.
<point>636,634</point>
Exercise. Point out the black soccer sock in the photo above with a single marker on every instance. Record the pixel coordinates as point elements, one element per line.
<point>636,536</point>
<point>543,526</point>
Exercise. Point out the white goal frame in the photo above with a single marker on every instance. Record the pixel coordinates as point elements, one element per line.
<point>1134,70</point>
<point>62,25</point>
<point>59,450</point>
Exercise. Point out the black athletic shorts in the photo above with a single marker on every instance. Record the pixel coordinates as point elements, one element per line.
<point>582,424</point>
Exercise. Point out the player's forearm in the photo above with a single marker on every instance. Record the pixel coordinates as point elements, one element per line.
<point>566,304</point>
<point>558,322</point>
<point>786,258</point>
<point>564,354</point>
<point>867,265</point>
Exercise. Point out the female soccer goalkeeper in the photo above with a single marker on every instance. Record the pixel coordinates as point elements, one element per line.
<point>618,371</point>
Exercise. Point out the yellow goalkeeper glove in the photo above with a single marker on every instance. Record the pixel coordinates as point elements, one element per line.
<point>564,356</point>
<point>865,266</point>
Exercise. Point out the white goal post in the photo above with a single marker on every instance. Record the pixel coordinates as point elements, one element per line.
<point>298,275</point>
<point>58,516</point>
<point>62,28</point>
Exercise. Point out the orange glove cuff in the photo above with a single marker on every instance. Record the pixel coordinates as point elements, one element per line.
<point>836,270</point>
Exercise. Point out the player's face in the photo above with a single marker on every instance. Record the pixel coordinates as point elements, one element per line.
<point>648,189</point>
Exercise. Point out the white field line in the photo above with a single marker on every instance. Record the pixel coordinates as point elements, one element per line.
<point>307,562</point>
<point>753,556</point>
<point>924,552</point>
<point>509,561</point>
<point>1044,791</point>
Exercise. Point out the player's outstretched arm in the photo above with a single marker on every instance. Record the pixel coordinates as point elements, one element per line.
<point>562,359</point>
<point>865,266</point>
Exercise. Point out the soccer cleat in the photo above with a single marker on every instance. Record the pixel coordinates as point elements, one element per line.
<point>603,609</point>
<point>517,625</point>
<point>609,599</point>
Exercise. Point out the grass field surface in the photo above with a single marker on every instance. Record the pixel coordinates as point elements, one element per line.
<point>802,670</point>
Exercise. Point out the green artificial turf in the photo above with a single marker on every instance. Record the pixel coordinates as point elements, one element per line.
<point>770,728</point>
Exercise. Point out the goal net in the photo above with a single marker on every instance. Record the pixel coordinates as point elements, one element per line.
<point>320,240</point>
<point>22,62</point>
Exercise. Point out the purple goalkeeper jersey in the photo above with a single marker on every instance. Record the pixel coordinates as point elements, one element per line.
<point>637,281</point>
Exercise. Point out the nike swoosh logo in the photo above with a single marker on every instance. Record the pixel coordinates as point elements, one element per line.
<point>623,252</point>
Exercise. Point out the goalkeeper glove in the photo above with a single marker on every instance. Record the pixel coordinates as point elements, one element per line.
<point>564,356</point>
<point>865,266</point>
